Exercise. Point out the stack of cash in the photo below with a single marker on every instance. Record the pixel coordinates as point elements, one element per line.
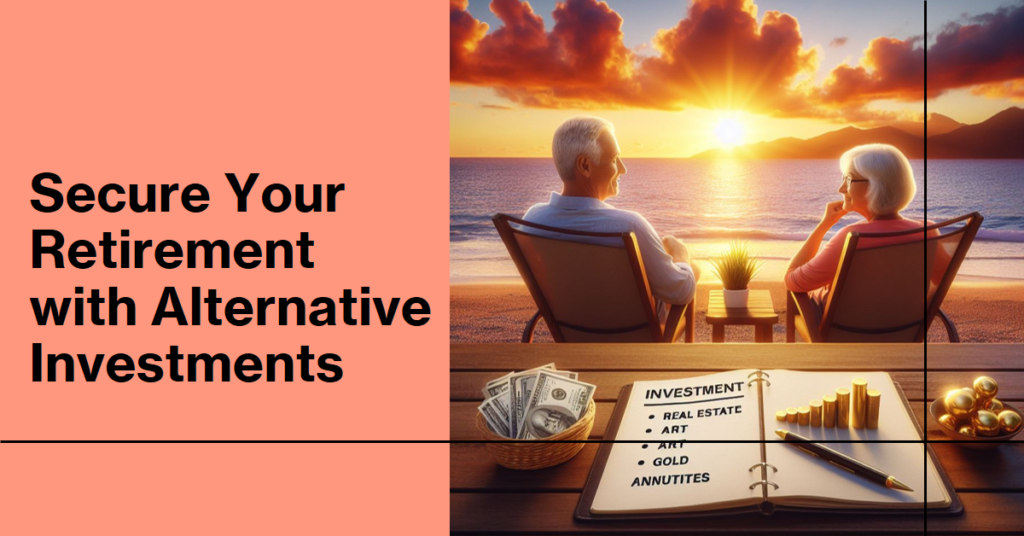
<point>536,403</point>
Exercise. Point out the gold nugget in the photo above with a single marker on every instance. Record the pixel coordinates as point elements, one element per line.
<point>994,405</point>
<point>960,404</point>
<point>874,405</point>
<point>986,388</point>
<point>804,415</point>
<point>828,411</point>
<point>815,412</point>
<point>791,415</point>
<point>967,430</point>
<point>780,415</point>
<point>985,423</point>
<point>1009,421</point>
<point>842,408</point>
<point>948,421</point>
<point>859,403</point>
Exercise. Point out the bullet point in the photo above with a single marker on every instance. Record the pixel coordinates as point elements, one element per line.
<point>641,462</point>
<point>645,445</point>
<point>651,417</point>
<point>648,430</point>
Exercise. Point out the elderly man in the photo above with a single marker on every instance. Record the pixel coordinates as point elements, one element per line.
<point>587,158</point>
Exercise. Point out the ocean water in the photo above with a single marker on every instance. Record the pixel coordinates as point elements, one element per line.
<point>772,204</point>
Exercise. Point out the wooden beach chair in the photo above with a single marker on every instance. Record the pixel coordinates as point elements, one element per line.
<point>586,291</point>
<point>880,294</point>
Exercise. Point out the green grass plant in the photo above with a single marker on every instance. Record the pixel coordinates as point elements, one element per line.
<point>736,267</point>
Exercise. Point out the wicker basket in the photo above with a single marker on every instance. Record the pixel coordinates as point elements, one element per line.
<point>540,453</point>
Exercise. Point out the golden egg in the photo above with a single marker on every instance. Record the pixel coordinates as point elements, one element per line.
<point>985,387</point>
<point>960,404</point>
<point>948,421</point>
<point>993,405</point>
<point>1009,421</point>
<point>967,430</point>
<point>985,423</point>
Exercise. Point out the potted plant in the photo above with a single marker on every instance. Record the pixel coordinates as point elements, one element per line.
<point>736,267</point>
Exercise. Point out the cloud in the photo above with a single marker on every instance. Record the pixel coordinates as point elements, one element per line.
<point>983,51</point>
<point>495,107</point>
<point>719,56</point>
<point>838,42</point>
<point>1012,90</point>
<point>890,69</point>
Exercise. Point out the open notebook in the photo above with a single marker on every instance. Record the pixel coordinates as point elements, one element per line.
<point>667,473</point>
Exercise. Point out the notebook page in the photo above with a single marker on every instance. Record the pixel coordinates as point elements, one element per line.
<point>801,475</point>
<point>671,474</point>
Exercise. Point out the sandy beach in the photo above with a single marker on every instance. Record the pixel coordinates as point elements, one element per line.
<point>983,311</point>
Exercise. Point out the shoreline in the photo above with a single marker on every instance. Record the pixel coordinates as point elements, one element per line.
<point>491,310</point>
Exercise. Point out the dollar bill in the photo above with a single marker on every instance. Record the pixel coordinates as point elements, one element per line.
<point>496,420</point>
<point>493,387</point>
<point>521,387</point>
<point>520,390</point>
<point>556,403</point>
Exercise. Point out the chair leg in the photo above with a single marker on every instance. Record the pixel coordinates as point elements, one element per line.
<point>531,324</point>
<point>691,315</point>
<point>790,318</point>
<point>954,335</point>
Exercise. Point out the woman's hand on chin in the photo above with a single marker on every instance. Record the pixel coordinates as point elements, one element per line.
<point>833,213</point>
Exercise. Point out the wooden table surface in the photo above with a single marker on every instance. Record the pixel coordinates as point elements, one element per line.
<point>759,312</point>
<point>487,498</point>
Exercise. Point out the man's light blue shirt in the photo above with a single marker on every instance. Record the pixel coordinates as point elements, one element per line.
<point>671,282</point>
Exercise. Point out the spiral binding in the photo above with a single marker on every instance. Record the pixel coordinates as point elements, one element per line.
<point>766,506</point>
<point>761,375</point>
<point>762,464</point>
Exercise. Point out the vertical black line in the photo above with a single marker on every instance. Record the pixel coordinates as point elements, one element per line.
<point>924,183</point>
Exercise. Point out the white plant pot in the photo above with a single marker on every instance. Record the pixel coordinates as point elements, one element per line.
<point>736,298</point>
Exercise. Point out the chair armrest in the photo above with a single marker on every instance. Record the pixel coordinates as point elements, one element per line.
<point>954,335</point>
<point>531,324</point>
<point>799,303</point>
<point>680,319</point>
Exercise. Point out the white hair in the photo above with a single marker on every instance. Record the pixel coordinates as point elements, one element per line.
<point>577,136</point>
<point>891,185</point>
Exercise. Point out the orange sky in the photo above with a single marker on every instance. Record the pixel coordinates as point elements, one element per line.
<point>516,77</point>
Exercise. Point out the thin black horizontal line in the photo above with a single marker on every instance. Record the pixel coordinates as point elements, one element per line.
<point>695,401</point>
<point>228,441</point>
<point>437,442</point>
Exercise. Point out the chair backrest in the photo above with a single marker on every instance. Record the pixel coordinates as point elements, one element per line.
<point>891,293</point>
<point>589,287</point>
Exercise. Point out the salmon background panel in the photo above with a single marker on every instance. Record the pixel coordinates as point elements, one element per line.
<point>183,92</point>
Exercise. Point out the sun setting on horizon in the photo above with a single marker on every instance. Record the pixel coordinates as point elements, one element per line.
<point>676,88</point>
<point>729,131</point>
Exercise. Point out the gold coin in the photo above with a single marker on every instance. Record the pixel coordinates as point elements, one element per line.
<point>780,415</point>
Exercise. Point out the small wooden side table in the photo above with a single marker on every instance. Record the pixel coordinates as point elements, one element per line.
<point>759,313</point>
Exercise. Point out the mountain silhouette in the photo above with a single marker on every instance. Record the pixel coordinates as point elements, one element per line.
<point>937,124</point>
<point>828,145</point>
<point>1000,136</point>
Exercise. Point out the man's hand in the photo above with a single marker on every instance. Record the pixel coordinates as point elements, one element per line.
<point>676,249</point>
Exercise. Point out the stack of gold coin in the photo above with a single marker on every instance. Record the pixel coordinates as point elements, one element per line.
<point>975,411</point>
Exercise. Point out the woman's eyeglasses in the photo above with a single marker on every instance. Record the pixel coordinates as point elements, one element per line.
<point>847,179</point>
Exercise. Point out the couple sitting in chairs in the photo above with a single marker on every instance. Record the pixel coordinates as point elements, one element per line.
<point>598,273</point>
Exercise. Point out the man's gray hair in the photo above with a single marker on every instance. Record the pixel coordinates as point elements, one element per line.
<point>577,136</point>
<point>891,185</point>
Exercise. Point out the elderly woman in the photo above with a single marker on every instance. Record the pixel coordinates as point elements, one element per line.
<point>878,183</point>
